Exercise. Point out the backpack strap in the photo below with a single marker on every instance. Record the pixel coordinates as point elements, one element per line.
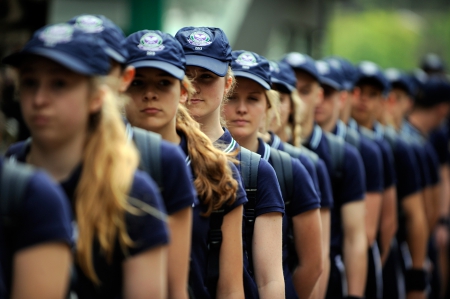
<point>353,138</point>
<point>293,151</point>
<point>336,147</point>
<point>214,244</point>
<point>13,182</point>
<point>249,173</point>
<point>282,165</point>
<point>310,154</point>
<point>149,146</point>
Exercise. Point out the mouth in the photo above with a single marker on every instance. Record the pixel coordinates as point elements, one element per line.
<point>240,122</point>
<point>150,110</point>
<point>40,120</point>
<point>195,101</point>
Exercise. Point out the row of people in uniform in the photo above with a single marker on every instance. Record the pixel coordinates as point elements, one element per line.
<point>295,212</point>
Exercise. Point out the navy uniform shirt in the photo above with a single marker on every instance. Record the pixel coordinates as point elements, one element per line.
<point>317,171</point>
<point>304,199</point>
<point>200,230</point>
<point>45,216</point>
<point>268,200</point>
<point>432,158</point>
<point>371,157</point>
<point>346,189</point>
<point>439,139</point>
<point>145,230</point>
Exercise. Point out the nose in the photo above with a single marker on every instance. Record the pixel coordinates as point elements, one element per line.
<point>241,107</point>
<point>150,95</point>
<point>41,96</point>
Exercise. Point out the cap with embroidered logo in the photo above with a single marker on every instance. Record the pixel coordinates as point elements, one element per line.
<point>206,47</point>
<point>252,66</point>
<point>68,46</point>
<point>105,28</point>
<point>302,62</point>
<point>282,74</point>
<point>399,80</point>
<point>329,75</point>
<point>346,71</point>
<point>156,49</point>
<point>369,72</point>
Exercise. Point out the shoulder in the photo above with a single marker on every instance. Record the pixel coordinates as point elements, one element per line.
<point>15,148</point>
<point>171,153</point>
<point>144,188</point>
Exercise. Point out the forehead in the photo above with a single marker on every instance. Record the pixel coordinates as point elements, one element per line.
<point>38,63</point>
<point>304,78</point>
<point>370,88</point>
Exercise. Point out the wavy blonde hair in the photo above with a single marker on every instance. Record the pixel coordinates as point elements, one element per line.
<point>109,163</point>
<point>296,118</point>
<point>214,179</point>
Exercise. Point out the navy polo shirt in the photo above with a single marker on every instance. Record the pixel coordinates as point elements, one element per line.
<point>432,157</point>
<point>440,140</point>
<point>317,171</point>
<point>371,157</point>
<point>304,199</point>
<point>268,200</point>
<point>200,230</point>
<point>45,216</point>
<point>348,188</point>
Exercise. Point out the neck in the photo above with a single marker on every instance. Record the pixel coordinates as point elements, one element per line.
<point>368,124</point>
<point>421,121</point>
<point>59,161</point>
<point>328,126</point>
<point>284,136</point>
<point>249,142</point>
<point>307,127</point>
<point>211,126</point>
<point>169,132</point>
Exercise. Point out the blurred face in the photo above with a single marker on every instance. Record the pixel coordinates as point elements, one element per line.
<point>310,92</point>
<point>367,107</point>
<point>399,103</point>
<point>328,110</point>
<point>210,89</point>
<point>155,96</point>
<point>246,109</point>
<point>56,102</point>
<point>119,79</point>
<point>284,111</point>
<point>442,111</point>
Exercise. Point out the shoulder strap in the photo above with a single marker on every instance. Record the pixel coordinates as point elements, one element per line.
<point>293,151</point>
<point>282,165</point>
<point>149,146</point>
<point>353,138</point>
<point>214,244</point>
<point>312,155</point>
<point>13,182</point>
<point>336,146</point>
<point>249,173</point>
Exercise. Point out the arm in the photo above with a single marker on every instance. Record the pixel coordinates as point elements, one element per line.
<point>433,206</point>
<point>267,255</point>
<point>321,287</point>
<point>145,275</point>
<point>230,284</point>
<point>355,246</point>
<point>308,244</point>
<point>180,226</point>
<point>41,271</point>
<point>373,211</point>
<point>388,221</point>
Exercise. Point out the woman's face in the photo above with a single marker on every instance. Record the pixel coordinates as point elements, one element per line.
<point>56,102</point>
<point>246,109</point>
<point>210,90</point>
<point>155,95</point>
<point>285,112</point>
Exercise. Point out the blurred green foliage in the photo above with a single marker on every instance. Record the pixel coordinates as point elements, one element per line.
<point>391,38</point>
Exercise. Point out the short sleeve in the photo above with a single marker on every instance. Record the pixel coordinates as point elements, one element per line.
<point>309,166</point>
<point>388,164</point>
<point>326,192</point>
<point>268,196</point>
<point>408,176</point>
<point>241,196</point>
<point>305,195</point>
<point>353,184</point>
<point>439,140</point>
<point>433,164</point>
<point>178,190</point>
<point>148,227</point>
<point>373,165</point>
<point>46,216</point>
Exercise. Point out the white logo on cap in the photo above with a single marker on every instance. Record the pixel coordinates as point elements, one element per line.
<point>199,38</point>
<point>89,24</point>
<point>295,59</point>
<point>368,68</point>
<point>247,60</point>
<point>59,33</point>
<point>152,42</point>
<point>392,74</point>
<point>322,67</point>
<point>334,63</point>
<point>274,67</point>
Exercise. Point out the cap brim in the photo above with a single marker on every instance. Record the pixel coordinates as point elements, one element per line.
<point>115,55</point>
<point>288,86</point>
<point>331,83</point>
<point>306,70</point>
<point>218,67</point>
<point>252,77</point>
<point>65,60</point>
<point>165,66</point>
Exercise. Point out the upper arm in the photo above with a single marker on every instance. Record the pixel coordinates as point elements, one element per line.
<point>308,235</point>
<point>41,271</point>
<point>353,218</point>
<point>231,260</point>
<point>145,274</point>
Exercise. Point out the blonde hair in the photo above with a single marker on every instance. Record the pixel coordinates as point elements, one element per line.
<point>273,107</point>
<point>296,118</point>
<point>109,163</point>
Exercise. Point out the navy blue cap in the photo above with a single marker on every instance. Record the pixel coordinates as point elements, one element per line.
<point>436,90</point>
<point>206,47</point>
<point>68,46</point>
<point>329,75</point>
<point>346,70</point>
<point>399,79</point>
<point>251,65</point>
<point>302,62</point>
<point>107,30</point>
<point>432,63</point>
<point>369,71</point>
<point>281,73</point>
<point>156,49</point>
<point>417,78</point>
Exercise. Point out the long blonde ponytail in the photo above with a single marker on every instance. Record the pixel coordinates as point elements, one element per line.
<point>109,163</point>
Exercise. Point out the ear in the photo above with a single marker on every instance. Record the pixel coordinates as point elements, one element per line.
<point>184,94</point>
<point>126,78</point>
<point>228,83</point>
<point>96,102</point>
<point>343,97</point>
